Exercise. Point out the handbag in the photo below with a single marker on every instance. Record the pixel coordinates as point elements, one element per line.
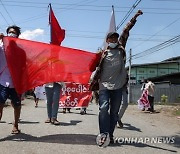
<point>94,83</point>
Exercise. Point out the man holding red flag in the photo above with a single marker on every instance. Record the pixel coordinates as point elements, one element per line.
<point>53,89</point>
<point>7,89</point>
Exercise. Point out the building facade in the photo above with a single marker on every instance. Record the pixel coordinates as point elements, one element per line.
<point>151,70</point>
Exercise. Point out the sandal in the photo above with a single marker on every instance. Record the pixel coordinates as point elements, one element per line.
<point>16,131</point>
<point>55,122</point>
<point>48,121</point>
<point>64,110</point>
<point>103,140</point>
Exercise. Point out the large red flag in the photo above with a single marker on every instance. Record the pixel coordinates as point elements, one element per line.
<point>33,63</point>
<point>57,34</point>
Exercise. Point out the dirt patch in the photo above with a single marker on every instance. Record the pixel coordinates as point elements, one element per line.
<point>167,110</point>
<point>163,114</point>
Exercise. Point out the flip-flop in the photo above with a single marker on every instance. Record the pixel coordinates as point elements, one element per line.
<point>48,121</point>
<point>103,140</point>
<point>17,131</point>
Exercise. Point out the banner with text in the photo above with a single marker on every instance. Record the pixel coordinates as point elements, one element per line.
<point>75,95</point>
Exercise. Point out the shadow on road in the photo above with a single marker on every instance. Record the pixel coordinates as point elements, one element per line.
<point>2,121</point>
<point>86,113</point>
<point>147,112</point>
<point>26,122</point>
<point>72,122</point>
<point>176,141</point>
<point>82,139</point>
<point>130,127</point>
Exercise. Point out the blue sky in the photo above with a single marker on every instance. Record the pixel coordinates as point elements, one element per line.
<point>86,23</point>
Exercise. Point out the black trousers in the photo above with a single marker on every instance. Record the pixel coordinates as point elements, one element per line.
<point>151,102</point>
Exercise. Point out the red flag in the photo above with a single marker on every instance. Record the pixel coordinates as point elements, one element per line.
<point>57,34</point>
<point>33,63</point>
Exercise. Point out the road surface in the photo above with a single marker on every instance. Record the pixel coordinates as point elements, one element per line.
<point>143,133</point>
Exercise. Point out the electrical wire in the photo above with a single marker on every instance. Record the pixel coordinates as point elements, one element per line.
<point>7,11</point>
<point>128,13</point>
<point>156,48</point>
<point>157,32</point>
<point>4,18</point>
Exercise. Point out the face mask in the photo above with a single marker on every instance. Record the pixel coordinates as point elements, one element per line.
<point>12,35</point>
<point>112,45</point>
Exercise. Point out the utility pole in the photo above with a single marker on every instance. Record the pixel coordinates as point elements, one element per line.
<point>129,74</point>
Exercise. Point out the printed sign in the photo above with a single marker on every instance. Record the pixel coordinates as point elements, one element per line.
<point>75,95</point>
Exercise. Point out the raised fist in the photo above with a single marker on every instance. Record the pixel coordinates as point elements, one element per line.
<point>139,12</point>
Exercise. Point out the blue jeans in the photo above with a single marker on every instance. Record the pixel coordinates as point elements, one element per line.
<point>109,99</point>
<point>124,104</point>
<point>53,95</point>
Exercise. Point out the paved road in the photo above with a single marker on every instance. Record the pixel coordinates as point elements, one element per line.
<point>143,132</point>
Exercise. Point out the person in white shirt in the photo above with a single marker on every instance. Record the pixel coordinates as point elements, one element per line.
<point>7,89</point>
<point>150,88</point>
<point>39,93</point>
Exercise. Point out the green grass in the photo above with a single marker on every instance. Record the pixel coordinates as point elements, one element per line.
<point>176,112</point>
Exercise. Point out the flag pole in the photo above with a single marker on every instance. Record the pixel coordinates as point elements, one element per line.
<point>113,16</point>
<point>112,27</point>
<point>50,22</point>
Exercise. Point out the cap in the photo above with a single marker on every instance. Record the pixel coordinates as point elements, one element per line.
<point>111,34</point>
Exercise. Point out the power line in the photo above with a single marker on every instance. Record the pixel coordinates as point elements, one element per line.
<point>7,12</point>
<point>82,9</point>
<point>156,48</point>
<point>128,13</point>
<point>168,0</point>
<point>4,18</point>
<point>174,39</point>
<point>158,32</point>
<point>77,4</point>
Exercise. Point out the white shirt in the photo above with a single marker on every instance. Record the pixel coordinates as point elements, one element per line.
<point>5,76</point>
<point>150,87</point>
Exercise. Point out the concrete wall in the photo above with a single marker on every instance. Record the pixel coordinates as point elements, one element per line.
<point>172,91</point>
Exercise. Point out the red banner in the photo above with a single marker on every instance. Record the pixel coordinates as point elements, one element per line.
<point>33,63</point>
<point>75,95</point>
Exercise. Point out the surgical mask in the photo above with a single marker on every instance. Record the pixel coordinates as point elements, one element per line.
<point>112,45</point>
<point>12,35</point>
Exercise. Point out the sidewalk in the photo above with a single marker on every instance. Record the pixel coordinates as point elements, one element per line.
<point>77,133</point>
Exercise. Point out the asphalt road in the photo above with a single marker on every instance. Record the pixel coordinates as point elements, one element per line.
<point>143,133</point>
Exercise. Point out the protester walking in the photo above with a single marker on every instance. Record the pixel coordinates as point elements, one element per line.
<point>112,77</point>
<point>7,89</point>
<point>53,94</point>
<point>150,91</point>
<point>146,101</point>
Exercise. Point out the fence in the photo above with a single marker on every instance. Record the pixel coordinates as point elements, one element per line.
<point>172,91</point>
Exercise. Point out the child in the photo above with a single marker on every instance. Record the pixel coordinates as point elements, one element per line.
<point>39,93</point>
